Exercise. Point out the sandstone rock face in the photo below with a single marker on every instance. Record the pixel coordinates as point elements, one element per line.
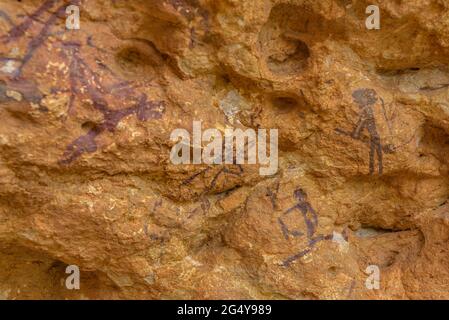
<point>85,171</point>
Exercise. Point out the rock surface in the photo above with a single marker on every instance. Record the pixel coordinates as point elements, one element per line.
<point>86,178</point>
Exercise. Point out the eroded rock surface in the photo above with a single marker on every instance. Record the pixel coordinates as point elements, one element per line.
<point>86,178</point>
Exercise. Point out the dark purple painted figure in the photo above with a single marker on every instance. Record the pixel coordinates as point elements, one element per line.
<point>366,99</point>
<point>310,218</point>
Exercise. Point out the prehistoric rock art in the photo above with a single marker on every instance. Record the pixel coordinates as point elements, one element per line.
<point>311,221</point>
<point>81,77</point>
<point>365,99</point>
<point>86,178</point>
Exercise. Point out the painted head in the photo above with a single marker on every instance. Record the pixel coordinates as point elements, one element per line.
<point>364,97</point>
<point>300,195</point>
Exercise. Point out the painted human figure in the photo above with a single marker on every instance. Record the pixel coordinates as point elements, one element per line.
<point>308,213</point>
<point>311,221</point>
<point>366,99</point>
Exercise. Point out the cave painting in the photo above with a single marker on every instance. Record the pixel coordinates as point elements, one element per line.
<point>84,82</point>
<point>310,218</point>
<point>366,100</point>
<point>235,171</point>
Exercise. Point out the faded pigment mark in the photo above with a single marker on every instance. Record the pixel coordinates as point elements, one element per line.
<point>83,81</point>
<point>38,40</point>
<point>144,110</point>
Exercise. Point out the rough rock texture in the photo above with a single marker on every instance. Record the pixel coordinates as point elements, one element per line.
<point>86,179</point>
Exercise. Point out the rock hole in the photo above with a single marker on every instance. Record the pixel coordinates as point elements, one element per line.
<point>286,37</point>
<point>88,125</point>
<point>333,271</point>
<point>290,58</point>
<point>131,57</point>
<point>284,104</point>
<point>138,59</point>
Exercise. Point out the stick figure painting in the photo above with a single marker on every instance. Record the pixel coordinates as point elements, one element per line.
<point>366,99</point>
<point>310,219</point>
